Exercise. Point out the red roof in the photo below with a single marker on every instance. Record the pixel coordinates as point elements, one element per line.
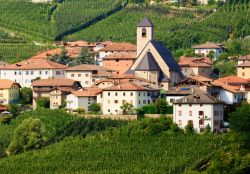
<point>246,57</point>
<point>233,80</point>
<point>129,86</point>
<point>34,64</point>
<point>195,62</point>
<point>121,55</point>
<point>87,92</point>
<point>209,46</point>
<point>119,47</point>
<point>245,64</point>
<point>54,82</point>
<point>7,84</point>
<point>79,43</point>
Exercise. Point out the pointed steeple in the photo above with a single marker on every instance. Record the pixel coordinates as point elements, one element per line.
<point>145,23</point>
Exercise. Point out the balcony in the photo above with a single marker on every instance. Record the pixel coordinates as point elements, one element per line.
<point>202,117</point>
<point>202,126</point>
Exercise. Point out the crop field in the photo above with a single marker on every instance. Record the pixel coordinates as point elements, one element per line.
<point>176,30</point>
<point>115,154</point>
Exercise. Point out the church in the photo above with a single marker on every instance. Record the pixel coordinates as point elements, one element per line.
<point>154,61</point>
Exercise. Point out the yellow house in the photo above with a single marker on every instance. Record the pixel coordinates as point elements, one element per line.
<point>243,70</point>
<point>9,92</point>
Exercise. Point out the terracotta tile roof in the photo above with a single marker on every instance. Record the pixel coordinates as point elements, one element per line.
<point>245,64</point>
<point>184,90</point>
<point>129,86</point>
<point>246,57</point>
<point>199,97</point>
<point>208,46</point>
<point>31,64</point>
<point>87,67</point>
<point>103,73</point>
<point>119,47</point>
<point>7,84</point>
<point>230,88</point>
<point>47,54</point>
<point>87,92</point>
<point>122,55</point>
<point>201,78</point>
<point>195,62</point>
<point>233,80</point>
<point>54,83</point>
<point>105,43</point>
<point>79,43</point>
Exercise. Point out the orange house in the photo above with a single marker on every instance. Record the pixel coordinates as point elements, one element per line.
<point>119,62</point>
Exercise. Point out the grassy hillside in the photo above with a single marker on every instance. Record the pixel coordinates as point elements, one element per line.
<point>130,149</point>
<point>177,29</point>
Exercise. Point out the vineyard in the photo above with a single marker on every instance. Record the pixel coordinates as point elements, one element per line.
<point>177,30</point>
<point>133,148</point>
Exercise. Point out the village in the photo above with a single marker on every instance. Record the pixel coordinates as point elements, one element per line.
<point>123,78</point>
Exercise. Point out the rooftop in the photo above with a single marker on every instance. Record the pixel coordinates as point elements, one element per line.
<point>54,83</point>
<point>87,67</point>
<point>233,80</point>
<point>32,64</point>
<point>145,23</point>
<point>129,86</point>
<point>87,92</point>
<point>246,57</point>
<point>7,84</point>
<point>198,97</point>
<point>119,47</point>
<point>121,55</point>
<point>245,64</point>
<point>209,45</point>
<point>148,63</point>
<point>194,62</point>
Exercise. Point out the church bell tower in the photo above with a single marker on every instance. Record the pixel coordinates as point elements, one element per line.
<point>145,33</point>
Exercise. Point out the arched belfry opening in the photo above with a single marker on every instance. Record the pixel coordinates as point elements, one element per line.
<point>144,33</point>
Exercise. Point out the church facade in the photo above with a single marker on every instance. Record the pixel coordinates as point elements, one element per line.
<point>154,61</point>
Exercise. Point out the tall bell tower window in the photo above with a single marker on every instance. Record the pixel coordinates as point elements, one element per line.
<point>144,33</point>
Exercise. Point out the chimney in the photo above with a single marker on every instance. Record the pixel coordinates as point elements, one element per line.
<point>119,86</point>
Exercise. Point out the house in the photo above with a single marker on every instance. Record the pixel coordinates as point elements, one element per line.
<point>119,62</point>
<point>86,74</point>
<point>53,89</point>
<point>200,110</point>
<point>195,66</point>
<point>155,62</point>
<point>9,92</point>
<point>82,98</point>
<point>205,49</point>
<point>112,98</point>
<point>177,93</point>
<point>26,71</point>
<point>115,48</point>
<point>243,67</point>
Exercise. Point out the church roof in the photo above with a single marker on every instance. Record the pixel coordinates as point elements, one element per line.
<point>145,23</point>
<point>147,63</point>
<point>166,56</point>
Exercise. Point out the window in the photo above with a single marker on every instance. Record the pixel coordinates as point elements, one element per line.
<point>148,101</point>
<point>93,80</point>
<point>79,75</point>
<point>131,94</point>
<point>179,122</point>
<point>190,113</point>
<point>190,122</point>
<point>72,75</point>
<point>123,101</point>
<point>144,33</point>
<point>15,73</point>
<point>124,94</point>
<point>216,122</point>
<point>201,122</point>
<point>40,72</point>
<point>179,105</point>
<point>139,94</point>
<point>86,82</point>
<point>86,75</point>
<point>144,102</point>
<point>109,94</point>
<point>115,101</point>
<point>201,113</point>
<point>171,100</point>
<point>58,72</point>
<point>243,74</point>
<point>27,72</point>
<point>108,110</point>
<point>139,101</point>
<point>46,72</point>
<point>148,94</point>
<point>117,60</point>
<point>201,105</point>
<point>116,94</point>
<point>180,113</point>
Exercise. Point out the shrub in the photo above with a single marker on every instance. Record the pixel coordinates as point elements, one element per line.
<point>161,106</point>
<point>95,108</point>
<point>80,111</point>
<point>5,119</point>
<point>26,95</point>
<point>15,110</point>
<point>127,108</point>
<point>150,109</point>
<point>43,103</point>
<point>28,135</point>
<point>189,128</point>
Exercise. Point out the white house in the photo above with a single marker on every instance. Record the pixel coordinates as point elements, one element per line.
<point>200,110</point>
<point>204,49</point>
<point>112,98</point>
<point>87,74</point>
<point>82,98</point>
<point>26,71</point>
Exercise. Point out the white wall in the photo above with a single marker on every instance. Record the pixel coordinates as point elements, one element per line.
<point>25,77</point>
<point>217,51</point>
<point>74,102</point>
<point>209,116</point>
<point>174,98</point>
<point>85,77</point>
<point>229,97</point>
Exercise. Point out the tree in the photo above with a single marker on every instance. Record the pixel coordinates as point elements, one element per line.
<point>189,128</point>
<point>28,135</point>
<point>161,106</point>
<point>211,55</point>
<point>26,95</point>
<point>240,120</point>
<point>127,108</point>
<point>62,58</point>
<point>95,108</point>
<point>84,57</point>
<point>43,103</point>
<point>15,110</point>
